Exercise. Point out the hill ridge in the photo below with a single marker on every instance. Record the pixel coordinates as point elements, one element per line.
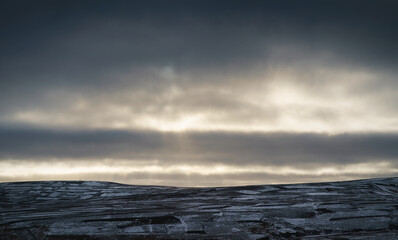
<point>358,209</point>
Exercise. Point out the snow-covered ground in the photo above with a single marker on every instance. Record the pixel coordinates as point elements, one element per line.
<point>363,209</point>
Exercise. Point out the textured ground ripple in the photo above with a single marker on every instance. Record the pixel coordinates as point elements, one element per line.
<point>363,209</point>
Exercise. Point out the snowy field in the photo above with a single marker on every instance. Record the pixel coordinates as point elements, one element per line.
<point>363,209</point>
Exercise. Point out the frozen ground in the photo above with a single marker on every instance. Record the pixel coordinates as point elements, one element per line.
<point>364,209</point>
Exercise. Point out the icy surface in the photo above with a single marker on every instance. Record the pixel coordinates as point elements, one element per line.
<point>364,209</point>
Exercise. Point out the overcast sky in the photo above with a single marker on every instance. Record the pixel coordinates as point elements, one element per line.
<point>198,93</point>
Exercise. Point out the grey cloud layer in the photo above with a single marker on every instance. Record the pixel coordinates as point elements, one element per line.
<point>76,65</point>
<point>238,68</point>
<point>268,149</point>
<point>198,180</point>
<point>69,44</point>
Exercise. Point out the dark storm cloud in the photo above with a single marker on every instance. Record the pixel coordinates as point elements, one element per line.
<point>66,43</point>
<point>97,48</point>
<point>200,147</point>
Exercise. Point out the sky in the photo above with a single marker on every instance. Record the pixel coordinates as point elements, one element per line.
<point>198,93</point>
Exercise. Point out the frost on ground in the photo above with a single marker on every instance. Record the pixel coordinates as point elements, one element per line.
<point>363,209</point>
